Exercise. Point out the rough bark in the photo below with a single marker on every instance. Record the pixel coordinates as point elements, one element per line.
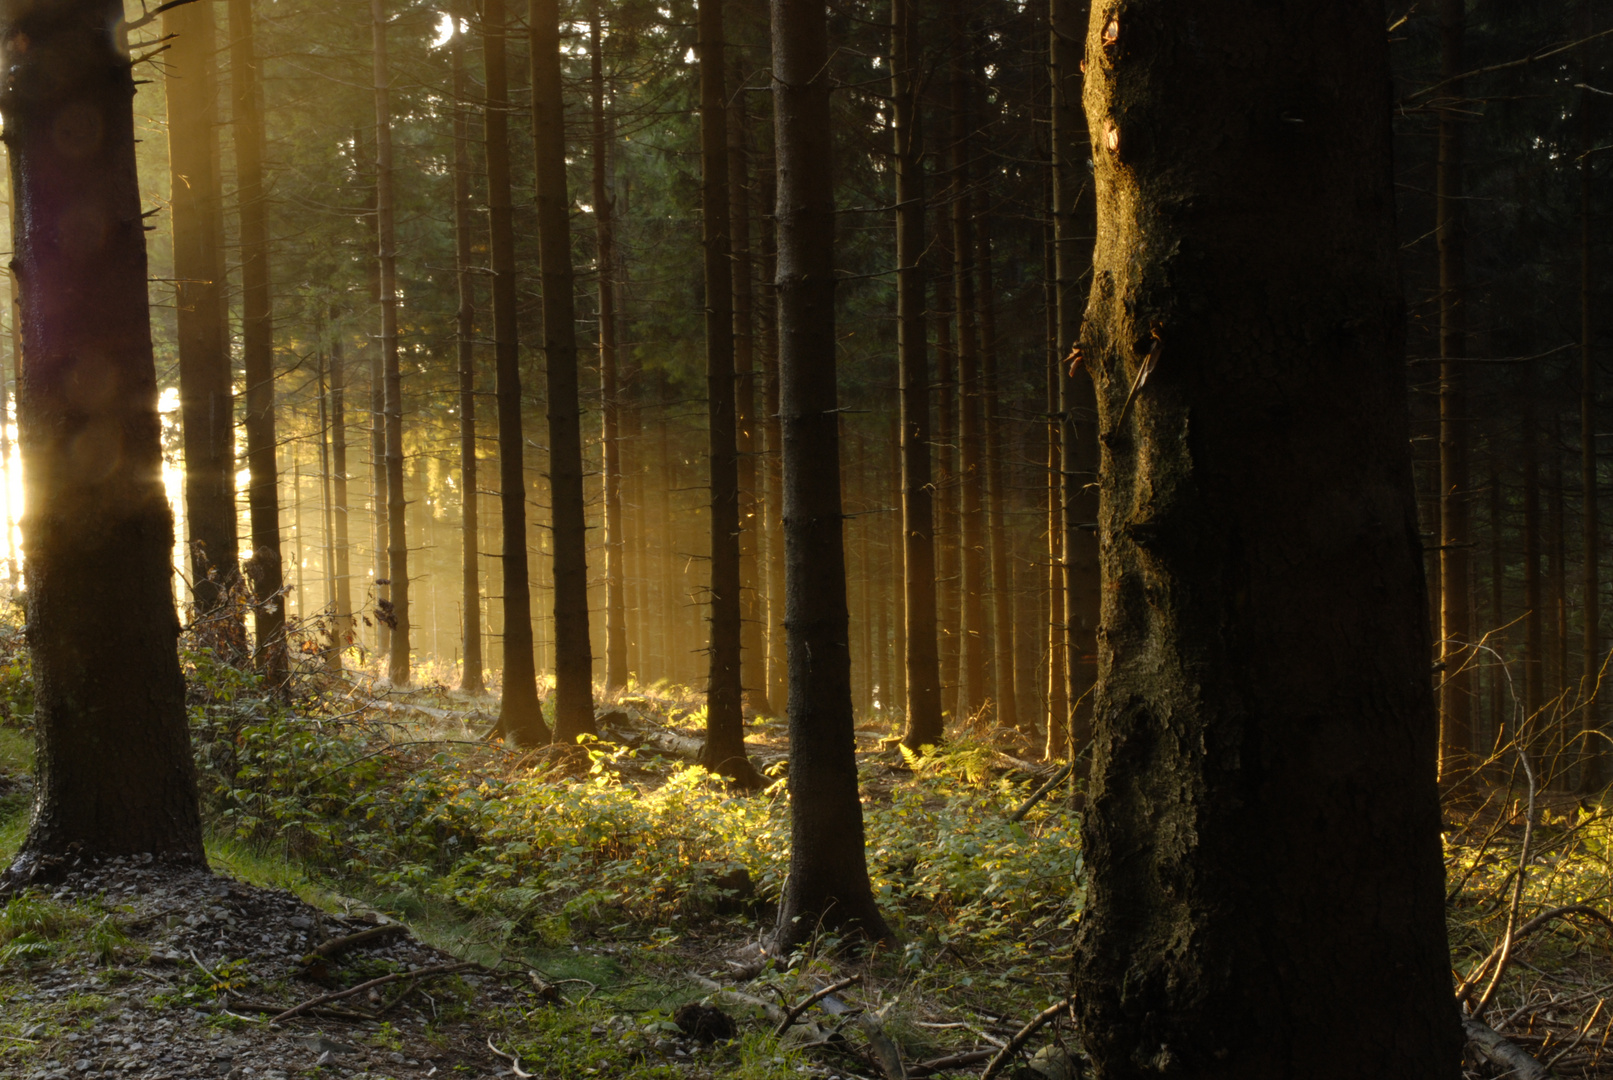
<point>520,716</point>
<point>921,661</point>
<point>114,774</point>
<point>397,500</point>
<point>470,578</point>
<point>724,751</point>
<point>264,569</point>
<point>573,666</point>
<point>828,882</point>
<point>206,396</point>
<point>610,405</point>
<point>1455,652</point>
<point>1073,233</point>
<point>1263,831</point>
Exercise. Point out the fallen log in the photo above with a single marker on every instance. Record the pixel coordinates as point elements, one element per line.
<point>1502,1051</point>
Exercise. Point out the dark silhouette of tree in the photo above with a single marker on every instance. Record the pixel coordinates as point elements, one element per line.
<point>114,772</point>
<point>465,339</point>
<point>1263,786</point>
<point>828,883</point>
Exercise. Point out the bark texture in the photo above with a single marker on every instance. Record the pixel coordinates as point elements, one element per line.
<point>470,576</point>
<point>828,884</point>
<point>1266,885</point>
<point>114,772</point>
<point>573,665</point>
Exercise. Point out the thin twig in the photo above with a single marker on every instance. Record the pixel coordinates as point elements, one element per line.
<point>1517,892</point>
<point>794,1014</point>
<point>1006,1054</point>
<point>1041,793</point>
<point>440,969</point>
<point>514,1060</point>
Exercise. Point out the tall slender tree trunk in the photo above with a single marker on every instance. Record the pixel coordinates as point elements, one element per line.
<point>752,598</point>
<point>1002,592</point>
<point>1534,610</point>
<point>338,462</point>
<point>948,556</point>
<point>1257,420</point>
<point>828,883</point>
<point>397,500</point>
<point>1593,773</point>
<point>610,391</point>
<point>724,749</point>
<point>206,396</point>
<point>778,661</point>
<point>976,690</point>
<point>1073,237</point>
<point>520,717</point>
<point>1554,676</point>
<point>333,648</point>
<point>574,687</point>
<point>921,662</point>
<point>381,580</point>
<point>896,579</point>
<point>264,569</point>
<point>1058,706</point>
<point>470,681</point>
<point>1456,695</point>
<point>114,773</point>
<point>1498,695</point>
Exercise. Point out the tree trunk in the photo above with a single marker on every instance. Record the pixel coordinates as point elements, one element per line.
<point>264,569</point>
<point>1593,772</point>
<point>338,462</point>
<point>752,600</point>
<point>724,749</point>
<point>206,396</point>
<point>397,501</point>
<point>573,666</point>
<point>828,881</point>
<point>1534,610</point>
<point>1456,683</point>
<point>380,580</point>
<point>1073,234</point>
<point>520,717</point>
<point>1002,591</point>
<point>114,773</point>
<point>1058,706</point>
<point>948,573</point>
<point>975,690</point>
<point>333,645</point>
<point>922,660</point>
<point>1263,830</point>
<point>778,662</point>
<point>470,681</point>
<point>611,448</point>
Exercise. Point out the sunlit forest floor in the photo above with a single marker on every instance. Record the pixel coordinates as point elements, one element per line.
<point>606,894</point>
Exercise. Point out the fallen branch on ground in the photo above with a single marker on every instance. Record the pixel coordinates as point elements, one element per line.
<point>1041,793</point>
<point>951,1061</point>
<point>440,969</point>
<point>1021,1037</point>
<point>1502,1051</point>
<point>514,1060</point>
<point>795,1013</point>
<point>337,946</point>
<point>1529,927</point>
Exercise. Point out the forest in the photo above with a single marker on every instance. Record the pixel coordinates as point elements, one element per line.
<point>861,539</point>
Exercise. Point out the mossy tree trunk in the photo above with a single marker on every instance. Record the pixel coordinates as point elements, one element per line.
<point>1263,834</point>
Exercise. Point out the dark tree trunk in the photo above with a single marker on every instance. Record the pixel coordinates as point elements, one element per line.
<point>520,717</point>
<point>922,660</point>
<point>1263,831</point>
<point>1073,234</point>
<point>778,661</point>
<point>206,397</point>
<point>338,464</point>
<point>828,882</point>
<point>1058,706</point>
<point>1002,592</point>
<point>1456,684</point>
<point>573,665</point>
<point>948,617</point>
<point>114,768</point>
<point>1593,771</point>
<point>377,380</point>
<point>752,599</point>
<point>333,648</point>
<point>397,501</point>
<point>1534,611</point>
<point>975,690</point>
<point>470,681</point>
<point>610,406</point>
<point>724,749</point>
<point>264,569</point>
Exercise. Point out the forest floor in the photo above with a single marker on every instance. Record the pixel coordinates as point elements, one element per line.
<point>579,913</point>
